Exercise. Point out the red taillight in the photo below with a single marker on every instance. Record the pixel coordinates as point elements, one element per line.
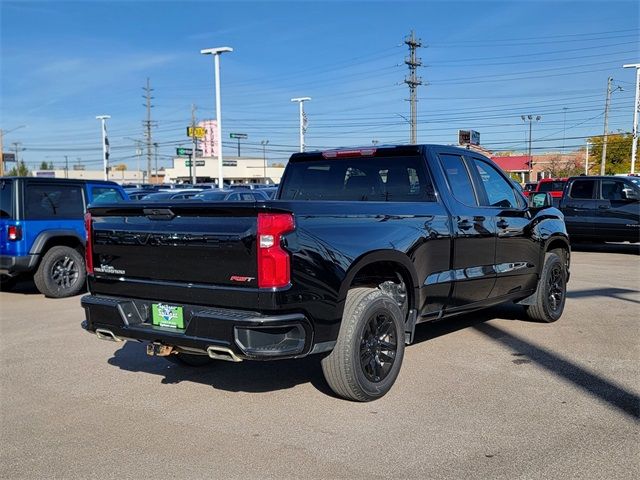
<point>358,152</point>
<point>273,261</point>
<point>88,248</point>
<point>14,233</point>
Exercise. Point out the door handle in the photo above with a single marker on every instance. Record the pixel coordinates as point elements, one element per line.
<point>502,224</point>
<point>604,207</point>
<point>465,225</point>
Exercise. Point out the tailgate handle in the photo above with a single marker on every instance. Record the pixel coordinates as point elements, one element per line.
<point>158,213</point>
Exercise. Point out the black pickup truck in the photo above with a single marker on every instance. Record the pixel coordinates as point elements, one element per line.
<point>602,209</point>
<point>357,248</point>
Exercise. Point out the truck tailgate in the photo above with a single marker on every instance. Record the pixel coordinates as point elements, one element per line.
<point>204,243</point>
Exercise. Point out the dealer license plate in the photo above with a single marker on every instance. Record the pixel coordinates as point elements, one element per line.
<point>163,315</point>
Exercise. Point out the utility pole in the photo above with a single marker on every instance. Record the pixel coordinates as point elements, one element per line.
<point>586,160</point>
<point>564,131</point>
<point>264,144</point>
<point>530,119</point>
<point>607,103</point>
<point>302,118</point>
<point>66,166</point>
<point>606,125</point>
<point>16,148</point>
<point>636,107</point>
<point>413,81</point>
<point>155,150</point>
<point>105,144</point>
<point>195,145</point>
<point>148,124</point>
<point>2,134</point>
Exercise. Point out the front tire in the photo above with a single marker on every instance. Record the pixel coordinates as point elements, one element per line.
<point>551,293</point>
<point>368,355</point>
<point>61,273</point>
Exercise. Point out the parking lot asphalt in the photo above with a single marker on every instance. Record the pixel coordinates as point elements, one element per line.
<point>488,395</point>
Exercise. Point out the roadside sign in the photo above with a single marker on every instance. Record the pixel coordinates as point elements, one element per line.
<point>199,163</point>
<point>468,137</point>
<point>186,152</point>
<point>9,157</point>
<point>239,136</point>
<point>198,132</point>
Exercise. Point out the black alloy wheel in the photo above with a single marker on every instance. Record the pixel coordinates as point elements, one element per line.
<point>556,288</point>
<point>378,347</point>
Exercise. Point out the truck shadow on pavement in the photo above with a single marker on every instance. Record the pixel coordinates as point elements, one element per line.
<point>260,377</point>
<point>610,292</point>
<point>625,248</point>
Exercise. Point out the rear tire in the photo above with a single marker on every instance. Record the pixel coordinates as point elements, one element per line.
<point>368,355</point>
<point>551,293</point>
<point>190,359</point>
<point>61,273</point>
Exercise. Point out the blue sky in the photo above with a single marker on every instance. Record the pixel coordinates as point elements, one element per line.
<point>486,63</point>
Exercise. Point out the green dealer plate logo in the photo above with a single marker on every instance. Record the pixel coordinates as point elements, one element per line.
<point>167,315</point>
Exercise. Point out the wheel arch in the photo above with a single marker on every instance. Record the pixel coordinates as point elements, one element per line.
<point>380,266</point>
<point>53,238</point>
<point>559,242</point>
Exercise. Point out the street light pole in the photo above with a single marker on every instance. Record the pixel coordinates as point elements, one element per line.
<point>303,127</point>
<point>216,61</point>
<point>105,144</point>
<point>530,119</point>
<point>636,107</point>
<point>264,144</point>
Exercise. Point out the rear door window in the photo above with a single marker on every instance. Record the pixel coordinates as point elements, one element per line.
<point>106,195</point>
<point>51,201</point>
<point>6,198</point>
<point>582,189</point>
<point>377,179</point>
<point>459,179</point>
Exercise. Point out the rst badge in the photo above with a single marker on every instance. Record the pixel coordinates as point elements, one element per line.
<point>241,279</point>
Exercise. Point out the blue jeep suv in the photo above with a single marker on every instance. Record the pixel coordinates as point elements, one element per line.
<point>42,232</point>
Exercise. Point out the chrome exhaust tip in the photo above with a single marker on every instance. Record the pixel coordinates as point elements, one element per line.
<point>104,334</point>
<point>222,353</point>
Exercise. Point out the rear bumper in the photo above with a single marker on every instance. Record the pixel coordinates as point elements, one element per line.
<point>14,265</point>
<point>249,335</point>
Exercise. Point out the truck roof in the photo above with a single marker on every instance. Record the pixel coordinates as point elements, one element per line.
<point>373,151</point>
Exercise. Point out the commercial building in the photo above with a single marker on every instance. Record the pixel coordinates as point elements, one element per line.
<point>120,176</point>
<point>234,170</point>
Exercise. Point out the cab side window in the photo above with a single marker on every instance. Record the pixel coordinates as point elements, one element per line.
<point>459,179</point>
<point>582,189</point>
<point>500,192</point>
<point>612,190</point>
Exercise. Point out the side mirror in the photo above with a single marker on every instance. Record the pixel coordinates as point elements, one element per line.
<point>540,200</point>
<point>630,195</point>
